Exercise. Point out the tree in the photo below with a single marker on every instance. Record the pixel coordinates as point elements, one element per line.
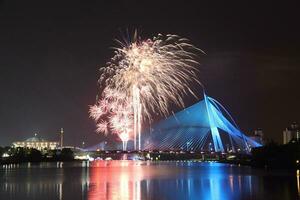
<point>67,154</point>
<point>34,155</point>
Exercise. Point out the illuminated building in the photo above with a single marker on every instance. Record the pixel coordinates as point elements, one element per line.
<point>290,133</point>
<point>36,143</point>
<point>287,136</point>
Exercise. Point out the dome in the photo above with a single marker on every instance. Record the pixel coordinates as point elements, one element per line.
<point>34,139</point>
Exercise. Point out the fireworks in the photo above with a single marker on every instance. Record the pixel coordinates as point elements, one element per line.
<point>102,127</point>
<point>161,69</point>
<point>124,137</point>
<point>142,78</point>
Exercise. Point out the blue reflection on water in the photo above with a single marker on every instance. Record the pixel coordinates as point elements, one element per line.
<point>217,181</point>
<point>202,181</point>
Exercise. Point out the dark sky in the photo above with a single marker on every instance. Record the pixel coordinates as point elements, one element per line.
<point>50,52</point>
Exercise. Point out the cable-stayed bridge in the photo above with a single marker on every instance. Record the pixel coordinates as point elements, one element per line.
<point>206,125</point>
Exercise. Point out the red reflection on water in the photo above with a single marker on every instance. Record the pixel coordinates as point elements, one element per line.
<point>115,180</point>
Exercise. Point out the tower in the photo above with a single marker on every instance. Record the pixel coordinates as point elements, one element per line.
<point>61,137</point>
<point>218,146</point>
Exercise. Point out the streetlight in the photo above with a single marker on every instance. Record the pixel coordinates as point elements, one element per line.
<point>210,146</point>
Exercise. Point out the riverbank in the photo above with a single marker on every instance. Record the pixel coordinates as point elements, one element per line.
<point>25,155</point>
<point>271,156</point>
<point>277,156</point>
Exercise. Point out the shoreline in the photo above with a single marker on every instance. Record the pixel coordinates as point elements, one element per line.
<point>231,162</point>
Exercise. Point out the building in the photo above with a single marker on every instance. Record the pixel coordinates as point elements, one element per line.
<point>287,136</point>
<point>291,132</point>
<point>258,136</point>
<point>36,143</point>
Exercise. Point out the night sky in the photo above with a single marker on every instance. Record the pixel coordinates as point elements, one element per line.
<point>50,53</point>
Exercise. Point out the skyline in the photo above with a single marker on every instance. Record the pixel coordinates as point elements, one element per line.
<point>50,55</point>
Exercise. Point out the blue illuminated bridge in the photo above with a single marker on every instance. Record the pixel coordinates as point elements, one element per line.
<point>204,126</point>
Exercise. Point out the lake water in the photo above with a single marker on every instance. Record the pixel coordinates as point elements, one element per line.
<point>144,180</point>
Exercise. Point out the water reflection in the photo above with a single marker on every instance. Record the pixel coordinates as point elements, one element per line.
<point>298,182</point>
<point>133,180</point>
<point>144,180</point>
<point>42,181</point>
<point>115,180</point>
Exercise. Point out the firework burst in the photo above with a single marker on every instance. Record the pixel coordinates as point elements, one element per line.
<point>160,70</point>
<point>142,78</point>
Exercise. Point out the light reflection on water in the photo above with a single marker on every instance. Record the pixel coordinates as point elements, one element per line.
<point>136,180</point>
